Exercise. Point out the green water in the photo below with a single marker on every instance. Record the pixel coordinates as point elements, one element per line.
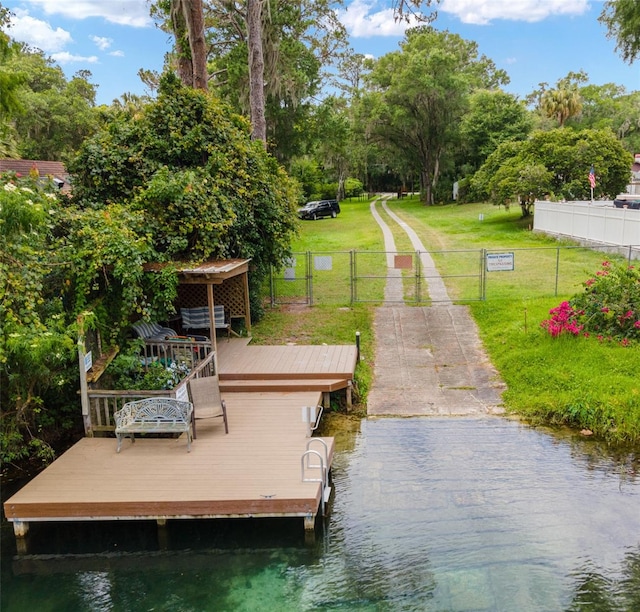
<point>429,514</point>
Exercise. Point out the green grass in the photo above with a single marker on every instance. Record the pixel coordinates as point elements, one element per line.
<point>573,381</point>
<point>332,320</point>
<point>350,230</point>
<point>578,382</point>
<point>454,235</point>
<point>338,238</point>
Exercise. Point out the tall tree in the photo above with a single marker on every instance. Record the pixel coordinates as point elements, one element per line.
<point>333,139</point>
<point>493,117</point>
<point>610,106</point>
<point>407,9</point>
<point>422,93</point>
<point>10,82</point>
<point>187,23</point>
<point>58,114</point>
<point>561,104</point>
<point>295,39</point>
<point>256,69</point>
<point>622,19</point>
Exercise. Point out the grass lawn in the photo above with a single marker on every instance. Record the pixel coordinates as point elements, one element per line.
<point>573,381</point>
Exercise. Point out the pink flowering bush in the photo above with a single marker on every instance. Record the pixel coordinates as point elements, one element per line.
<point>564,320</point>
<point>609,307</point>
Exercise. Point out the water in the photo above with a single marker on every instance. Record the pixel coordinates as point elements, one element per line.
<point>448,515</point>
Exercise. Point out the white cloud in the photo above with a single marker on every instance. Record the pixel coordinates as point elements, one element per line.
<point>64,57</point>
<point>102,42</point>
<point>362,20</point>
<point>482,12</point>
<point>37,33</point>
<point>117,53</point>
<point>123,12</point>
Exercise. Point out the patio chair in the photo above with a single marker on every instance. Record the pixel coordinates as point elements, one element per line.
<point>206,400</point>
<point>198,318</point>
<point>153,332</point>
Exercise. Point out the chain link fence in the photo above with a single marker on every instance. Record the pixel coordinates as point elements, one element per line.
<point>350,277</point>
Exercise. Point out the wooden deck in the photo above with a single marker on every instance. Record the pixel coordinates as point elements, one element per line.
<point>254,471</point>
<point>325,368</point>
<point>237,360</point>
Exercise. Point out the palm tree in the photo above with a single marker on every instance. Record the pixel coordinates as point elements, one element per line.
<point>561,104</point>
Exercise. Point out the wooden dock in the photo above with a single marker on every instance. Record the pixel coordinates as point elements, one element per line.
<point>256,470</point>
<point>253,471</point>
<point>325,368</point>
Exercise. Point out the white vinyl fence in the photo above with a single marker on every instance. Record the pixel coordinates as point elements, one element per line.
<point>593,223</point>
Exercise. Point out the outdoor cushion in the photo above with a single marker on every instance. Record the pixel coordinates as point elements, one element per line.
<point>152,331</point>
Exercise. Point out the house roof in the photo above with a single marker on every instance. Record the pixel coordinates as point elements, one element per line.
<point>23,167</point>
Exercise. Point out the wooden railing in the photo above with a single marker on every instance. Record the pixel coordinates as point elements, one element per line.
<point>103,403</point>
<point>176,350</point>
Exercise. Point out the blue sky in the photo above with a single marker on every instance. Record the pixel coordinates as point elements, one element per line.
<point>534,41</point>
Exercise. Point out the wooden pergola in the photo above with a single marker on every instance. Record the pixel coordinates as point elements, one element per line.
<point>223,281</point>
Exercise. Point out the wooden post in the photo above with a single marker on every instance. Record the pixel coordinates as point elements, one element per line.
<point>163,534</point>
<point>20,528</point>
<point>309,522</point>
<point>247,304</point>
<point>212,317</point>
<point>84,388</point>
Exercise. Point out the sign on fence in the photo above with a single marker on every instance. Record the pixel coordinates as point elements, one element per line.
<point>500,262</point>
<point>403,262</point>
<point>323,262</point>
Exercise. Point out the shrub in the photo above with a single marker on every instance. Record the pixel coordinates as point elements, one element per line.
<point>564,320</point>
<point>609,307</point>
<point>127,371</point>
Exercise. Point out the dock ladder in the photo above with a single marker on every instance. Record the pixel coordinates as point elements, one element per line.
<point>321,467</point>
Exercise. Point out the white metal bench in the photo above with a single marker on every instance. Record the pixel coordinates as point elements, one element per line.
<point>154,415</point>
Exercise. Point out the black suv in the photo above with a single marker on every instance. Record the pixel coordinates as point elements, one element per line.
<point>627,202</point>
<point>320,208</point>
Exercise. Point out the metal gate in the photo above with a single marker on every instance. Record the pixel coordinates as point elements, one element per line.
<point>349,277</point>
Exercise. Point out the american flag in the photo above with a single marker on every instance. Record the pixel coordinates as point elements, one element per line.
<point>592,178</point>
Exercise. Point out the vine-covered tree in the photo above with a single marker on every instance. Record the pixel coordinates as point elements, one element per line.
<point>202,188</point>
<point>10,83</point>
<point>178,179</point>
<point>36,347</point>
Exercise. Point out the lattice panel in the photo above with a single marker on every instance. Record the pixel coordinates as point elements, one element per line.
<point>192,296</point>
<point>230,293</point>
